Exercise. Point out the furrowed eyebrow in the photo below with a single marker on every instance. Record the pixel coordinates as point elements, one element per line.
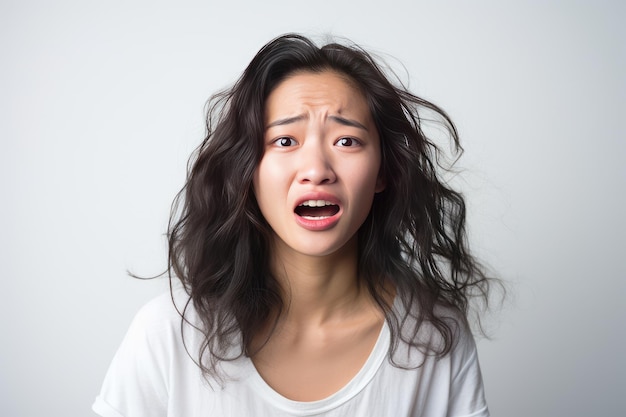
<point>348,122</point>
<point>286,121</point>
<point>338,119</point>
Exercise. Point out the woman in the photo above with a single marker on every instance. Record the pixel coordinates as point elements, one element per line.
<point>323,263</point>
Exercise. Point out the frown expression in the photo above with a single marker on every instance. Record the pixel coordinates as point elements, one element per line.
<point>320,169</point>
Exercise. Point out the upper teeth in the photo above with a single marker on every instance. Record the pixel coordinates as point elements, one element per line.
<point>316,203</point>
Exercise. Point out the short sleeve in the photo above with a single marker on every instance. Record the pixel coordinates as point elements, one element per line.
<point>467,396</point>
<point>136,383</point>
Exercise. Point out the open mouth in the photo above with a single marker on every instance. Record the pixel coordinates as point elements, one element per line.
<point>316,209</point>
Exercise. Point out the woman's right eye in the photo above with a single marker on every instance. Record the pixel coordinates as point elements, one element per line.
<point>285,141</point>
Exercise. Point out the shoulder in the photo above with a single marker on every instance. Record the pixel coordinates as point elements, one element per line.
<point>157,337</point>
<point>163,309</point>
<point>150,362</point>
<point>454,380</point>
<point>162,323</point>
<point>160,313</point>
<point>460,330</point>
<point>420,337</point>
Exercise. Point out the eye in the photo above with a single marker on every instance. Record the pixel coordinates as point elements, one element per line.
<point>347,142</point>
<point>285,141</point>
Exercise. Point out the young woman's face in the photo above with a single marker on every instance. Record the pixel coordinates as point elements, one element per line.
<point>320,170</point>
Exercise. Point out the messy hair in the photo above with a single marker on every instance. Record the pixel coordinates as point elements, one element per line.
<point>414,235</point>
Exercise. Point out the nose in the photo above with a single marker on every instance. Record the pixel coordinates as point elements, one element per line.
<point>315,166</point>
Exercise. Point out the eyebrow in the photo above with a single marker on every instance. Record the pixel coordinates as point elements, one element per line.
<point>286,121</point>
<point>348,122</point>
<point>339,119</point>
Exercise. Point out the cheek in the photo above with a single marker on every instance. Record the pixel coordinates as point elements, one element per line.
<point>364,191</point>
<point>261,177</point>
<point>260,188</point>
<point>268,184</point>
<point>368,185</point>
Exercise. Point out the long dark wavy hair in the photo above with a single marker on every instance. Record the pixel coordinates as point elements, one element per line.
<point>414,235</point>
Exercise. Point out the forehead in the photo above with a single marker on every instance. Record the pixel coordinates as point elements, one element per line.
<point>325,91</point>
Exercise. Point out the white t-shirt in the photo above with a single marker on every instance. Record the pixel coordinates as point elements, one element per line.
<point>152,375</point>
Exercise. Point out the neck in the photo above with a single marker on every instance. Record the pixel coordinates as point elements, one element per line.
<point>319,289</point>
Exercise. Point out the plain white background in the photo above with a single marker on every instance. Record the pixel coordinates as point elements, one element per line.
<point>102,103</point>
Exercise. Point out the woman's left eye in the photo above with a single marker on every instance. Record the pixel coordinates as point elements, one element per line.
<point>347,142</point>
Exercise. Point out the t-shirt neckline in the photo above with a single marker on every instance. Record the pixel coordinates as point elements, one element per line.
<point>352,388</point>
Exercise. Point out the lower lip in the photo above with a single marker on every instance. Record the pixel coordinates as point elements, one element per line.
<point>318,224</point>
